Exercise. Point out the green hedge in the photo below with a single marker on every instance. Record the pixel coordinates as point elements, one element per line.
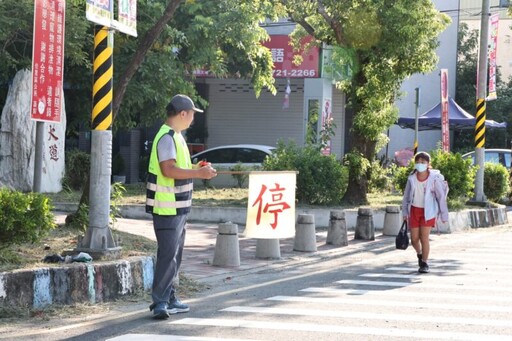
<point>496,181</point>
<point>26,217</point>
<point>321,180</point>
<point>458,172</point>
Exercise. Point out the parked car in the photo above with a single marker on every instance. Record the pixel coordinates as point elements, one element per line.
<point>228,156</point>
<point>501,156</point>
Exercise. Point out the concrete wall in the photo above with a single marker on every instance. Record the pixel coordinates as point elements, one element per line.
<point>76,283</point>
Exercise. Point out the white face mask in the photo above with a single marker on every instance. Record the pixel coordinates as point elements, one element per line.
<point>420,167</point>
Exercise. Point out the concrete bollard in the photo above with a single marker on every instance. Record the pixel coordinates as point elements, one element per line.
<point>392,221</point>
<point>268,249</point>
<point>305,234</point>
<point>337,231</point>
<point>365,229</point>
<point>227,250</point>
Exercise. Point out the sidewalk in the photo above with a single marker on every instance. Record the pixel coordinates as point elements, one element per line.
<point>200,247</point>
<point>201,238</point>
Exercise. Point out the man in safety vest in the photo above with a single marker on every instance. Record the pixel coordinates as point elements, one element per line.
<point>169,198</point>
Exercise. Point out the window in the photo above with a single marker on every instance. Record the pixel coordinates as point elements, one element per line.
<point>248,155</point>
<point>226,155</point>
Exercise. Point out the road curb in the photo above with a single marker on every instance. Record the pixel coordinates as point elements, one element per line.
<point>76,283</point>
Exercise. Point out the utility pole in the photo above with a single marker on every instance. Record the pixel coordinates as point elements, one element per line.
<point>480,104</point>
<point>98,240</point>
<point>416,120</point>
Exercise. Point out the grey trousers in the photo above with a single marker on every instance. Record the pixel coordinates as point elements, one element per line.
<point>170,236</point>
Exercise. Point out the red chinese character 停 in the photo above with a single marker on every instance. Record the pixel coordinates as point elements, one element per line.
<point>274,205</point>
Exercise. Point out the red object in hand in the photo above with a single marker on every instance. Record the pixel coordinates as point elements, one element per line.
<point>203,163</point>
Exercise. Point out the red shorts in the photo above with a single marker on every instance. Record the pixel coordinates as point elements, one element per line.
<point>417,218</point>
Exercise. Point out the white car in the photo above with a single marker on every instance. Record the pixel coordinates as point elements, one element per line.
<point>501,156</point>
<point>228,156</point>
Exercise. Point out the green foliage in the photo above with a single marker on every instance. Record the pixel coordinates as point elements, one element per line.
<point>321,180</point>
<point>496,181</point>
<point>380,178</point>
<point>400,175</point>
<point>79,220</point>
<point>357,165</point>
<point>116,196</point>
<point>241,178</point>
<point>458,172</point>
<point>78,166</point>
<point>26,217</point>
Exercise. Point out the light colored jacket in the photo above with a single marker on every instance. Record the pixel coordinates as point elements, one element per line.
<point>435,198</point>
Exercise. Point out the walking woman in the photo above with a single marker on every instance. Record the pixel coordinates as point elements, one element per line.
<point>424,200</point>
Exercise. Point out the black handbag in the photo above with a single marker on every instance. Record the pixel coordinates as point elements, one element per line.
<point>402,238</point>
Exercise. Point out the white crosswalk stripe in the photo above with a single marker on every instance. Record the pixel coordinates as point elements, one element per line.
<point>391,303</point>
<point>324,328</point>
<point>424,285</point>
<point>368,315</point>
<point>412,294</point>
<point>153,337</point>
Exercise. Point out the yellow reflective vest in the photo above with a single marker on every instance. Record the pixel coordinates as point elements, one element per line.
<point>167,196</point>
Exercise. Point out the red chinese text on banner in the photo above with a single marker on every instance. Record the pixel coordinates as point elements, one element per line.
<point>48,60</point>
<point>283,54</point>
<point>271,205</point>
<point>445,124</point>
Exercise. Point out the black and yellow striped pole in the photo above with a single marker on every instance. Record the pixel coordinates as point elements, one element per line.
<point>479,196</point>
<point>103,73</point>
<point>480,123</point>
<point>98,240</point>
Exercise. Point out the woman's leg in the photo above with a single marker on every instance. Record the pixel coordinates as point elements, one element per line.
<point>415,240</point>
<point>424,234</point>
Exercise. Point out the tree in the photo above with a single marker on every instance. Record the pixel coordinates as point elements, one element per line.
<point>382,42</point>
<point>222,37</point>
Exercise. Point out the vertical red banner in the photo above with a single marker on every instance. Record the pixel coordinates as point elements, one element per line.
<point>445,124</point>
<point>48,60</point>
<point>493,46</point>
<point>326,124</point>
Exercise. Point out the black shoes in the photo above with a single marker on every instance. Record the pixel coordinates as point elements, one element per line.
<point>423,268</point>
<point>419,259</point>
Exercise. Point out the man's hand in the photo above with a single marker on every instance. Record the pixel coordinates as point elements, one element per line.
<point>207,172</point>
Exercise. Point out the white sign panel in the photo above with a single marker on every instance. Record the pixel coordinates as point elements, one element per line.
<point>271,205</point>
<point>127,17</point>
<point>99,12</point>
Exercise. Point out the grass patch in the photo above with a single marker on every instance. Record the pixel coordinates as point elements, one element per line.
<point>213,197</point>
<point>30,255</point>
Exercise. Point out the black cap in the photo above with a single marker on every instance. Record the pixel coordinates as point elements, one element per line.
<point>182,102</point>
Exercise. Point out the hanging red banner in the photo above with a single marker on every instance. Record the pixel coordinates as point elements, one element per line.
<point>493,45</point>
<point>48,60</point>
<point>445,124</point>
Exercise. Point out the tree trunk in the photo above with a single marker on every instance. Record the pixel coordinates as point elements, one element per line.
<point>357,188</point>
